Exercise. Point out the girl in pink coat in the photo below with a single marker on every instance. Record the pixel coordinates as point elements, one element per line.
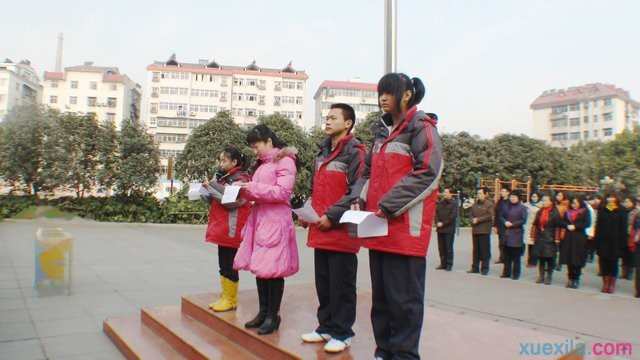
<point>268,247</point>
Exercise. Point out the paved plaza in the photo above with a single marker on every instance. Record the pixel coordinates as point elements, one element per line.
<point>119,268</point>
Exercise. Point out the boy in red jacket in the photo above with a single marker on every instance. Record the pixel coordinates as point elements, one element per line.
<point>337,167</point>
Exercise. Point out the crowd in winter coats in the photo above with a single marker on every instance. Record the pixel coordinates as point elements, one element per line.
<point>555,231</point>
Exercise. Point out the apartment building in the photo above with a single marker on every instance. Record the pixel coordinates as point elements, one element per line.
<point>590,112</point>
<point>19,85</point>
<point>363,97</point>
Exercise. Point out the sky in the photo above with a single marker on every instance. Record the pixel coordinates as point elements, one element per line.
<point>483,62</point>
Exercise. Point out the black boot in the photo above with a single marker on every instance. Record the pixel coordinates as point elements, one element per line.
<point>540,278</point>
<point>627,272</point>
<point>549,277</point>
<point>272,321</point>
<point>263,298</point>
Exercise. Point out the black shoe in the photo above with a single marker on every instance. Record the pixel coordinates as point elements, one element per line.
<point>441,267</point>
<point>499,262</point>
<point>270,325</point>
<point>505,275</point>
<point>473,271</point>
<point>263,300</point>
<point>569,284</point>
<point>448,268</point>
<point>515,277</point>
<point>548,278</point>
<point>576,284</point>
<point>485,272</point>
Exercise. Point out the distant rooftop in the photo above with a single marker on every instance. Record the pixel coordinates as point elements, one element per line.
<point>348,85</point>
<point>571,95</point>
<point>109,73</point>
<point>212,67</point>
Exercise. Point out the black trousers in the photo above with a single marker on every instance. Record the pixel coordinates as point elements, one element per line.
<point>335,274</point>
<point>501,244</point>
<point>397,311</point>
<point>445,248</point>
<point>548,264</point>
<point>225,262</point>
<point>608,267</point>
<point>574,272</point>
<point>512,263</point>
<point>481,252</point>
<point>531,258</point>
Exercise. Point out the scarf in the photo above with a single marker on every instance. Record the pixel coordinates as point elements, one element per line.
<point>545,214</point>
<point>611,206</point>
<point>572,214</point>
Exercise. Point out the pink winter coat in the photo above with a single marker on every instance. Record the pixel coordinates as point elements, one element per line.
<point>268,247</point>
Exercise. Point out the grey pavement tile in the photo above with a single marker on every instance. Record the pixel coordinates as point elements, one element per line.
<point>10,316</point>
<point>11,304</point>
<point>67,326</point>
<point>21,350</point>
<point>9,284</point>
<point>77,344</point>
<point>57,312</point>
<point>14,293</point>
<point>17,331</point>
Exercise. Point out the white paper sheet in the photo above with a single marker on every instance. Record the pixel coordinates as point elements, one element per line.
<point>306,213</point>
<point>194,191</point>
<point>230,194</point>
<point>369,225</point>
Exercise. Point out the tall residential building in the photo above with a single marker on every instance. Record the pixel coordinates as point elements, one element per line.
<point>590,112</point>
<point>181,96</point>
<point>363,97</point>
<point>89,89</point>
<point>19,84</point>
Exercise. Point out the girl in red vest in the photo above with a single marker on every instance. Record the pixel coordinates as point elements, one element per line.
<point>400,183</point>
<point>225,223</point>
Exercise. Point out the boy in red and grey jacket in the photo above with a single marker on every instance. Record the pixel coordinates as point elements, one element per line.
<point>338,166</point>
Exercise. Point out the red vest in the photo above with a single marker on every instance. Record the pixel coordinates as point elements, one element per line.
<point>225,225</point>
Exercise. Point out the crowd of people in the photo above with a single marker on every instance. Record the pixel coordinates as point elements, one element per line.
<point>554,230</point>
<point>397,179</point>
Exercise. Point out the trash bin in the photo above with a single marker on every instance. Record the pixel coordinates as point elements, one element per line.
<point>53,259</point>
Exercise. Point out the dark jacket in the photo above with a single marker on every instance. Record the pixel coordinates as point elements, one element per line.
<point>517,215</point>
<point>483,211</point>
<point>446,213</point>
<point>611,233</point>
<point>573,247</point>
<point>401,179</point>
<point>226,221</point>
<point>544,245</point>
<point>498,216</point>
<point>334,177</point>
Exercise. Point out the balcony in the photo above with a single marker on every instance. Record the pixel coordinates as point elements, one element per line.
<point>261,103</point>
<point>154,95</point>
<point>155,79</point>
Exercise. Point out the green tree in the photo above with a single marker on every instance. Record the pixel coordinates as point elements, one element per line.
<point>71,159</point>
<point>363,130</point>
<point>295,136</point>
<point>23,146</point>
<point>466,161</point>
<point>198,160</point>
<point>139,163</point>
<point>622,159</point>
<point>107,155</point>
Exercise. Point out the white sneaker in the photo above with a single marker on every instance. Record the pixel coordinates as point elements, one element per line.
<point>314,337</point>
<point>336,346</point>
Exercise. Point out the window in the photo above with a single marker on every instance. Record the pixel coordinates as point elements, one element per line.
<point>251,97</point>
<point>74,84</point>
<point>595,133</point>
<point>559,136</point>
<point>238,82</point>
<point>559,123</point>
<point>607,132</point>
<point>223,97</point>
<point>557,109</point>
<point>607,116</point>
<point>54,84</point>
<point>595,118</point>
<point>251,112</point>
<point>53,99</point>
<point>262,85</point>
<point>114,87</point>
<point>184,91</point>
<point>300,85</point>
<point>156,77</point>
<point>91,101</point>
<point>154,108</point>
<point>585,134</point>
<point>252,82</point>
<point>574,136</point>
<point>261,101</point>
<point>299,115</point>
<point>607,102</point>
<point>73,100</point>
<point>574,121</point>
<point>299,100</point>
<point>237,96</point>
<point>276,101</point>
<point>574,107</point>
<point>111,117</point>
<point>585,105</point>
<point>112,102</point>
<point>585,119</point>
<point>171,138</point>
<point>93,85</point>
<point>277,86</point>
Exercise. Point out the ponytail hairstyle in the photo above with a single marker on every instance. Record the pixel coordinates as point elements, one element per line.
<point>234,153</point>
<point>397,83</point>
<point>263,133</point>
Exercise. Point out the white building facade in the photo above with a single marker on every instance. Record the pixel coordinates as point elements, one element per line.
<point>363,97</point>
<point>591,112</point>
<point>19,84</point>
<point>98,90</point>
<point>181,96</point>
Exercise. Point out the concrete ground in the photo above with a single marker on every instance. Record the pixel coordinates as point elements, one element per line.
<point>120,267</point>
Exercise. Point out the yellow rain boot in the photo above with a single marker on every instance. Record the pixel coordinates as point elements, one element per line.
<point>229,298</point>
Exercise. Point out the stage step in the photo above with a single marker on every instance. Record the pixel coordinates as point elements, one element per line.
<point>136,341</point>
<point>190,337</point>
